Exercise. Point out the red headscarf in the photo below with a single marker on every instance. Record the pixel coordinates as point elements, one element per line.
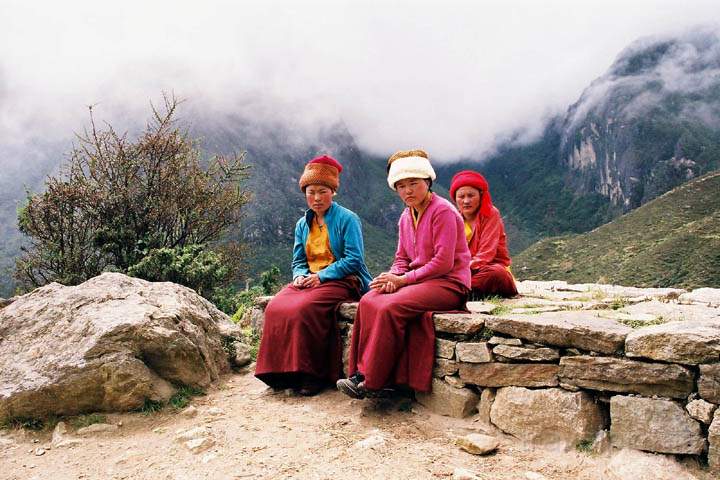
<point>470,178</point>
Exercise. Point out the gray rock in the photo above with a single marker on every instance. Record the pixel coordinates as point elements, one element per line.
<point>106,345</point>
<point>444,368</point>
<point>654,425</point>
<point>348,311</point>
<point>463,474</point>
<point>4,302</point>
<point>509,374</point>
<point>459,323</point>
<point>510,352</point>
<point>505,341</point>
<point>565,329</point>
<point>547,416</point>
<point>714,442</point>
<point>189,412</point>
<point>243,356</point>
<point>701,411</point>
<point>601,444</point>
<point>690,342</point>
<point>709,383</point>
<point>622,375</point>
<point>262,301</point>
<point>445,348</point>
<point>478,444</point>
<point>487,397</point>
<point>97,428</point>
<point>480,307</point>
<point>449,401</point>
<point>707,296</point>
<point>473,352</point>
<point>59,433</point>
<point>634,465</point>
<point>199,445</point>
<point>254,318</point>
<point>454,382</point>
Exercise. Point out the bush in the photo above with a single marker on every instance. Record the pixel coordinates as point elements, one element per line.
<point>118,201</point>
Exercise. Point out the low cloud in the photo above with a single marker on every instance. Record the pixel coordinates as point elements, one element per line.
<point>454,78</point>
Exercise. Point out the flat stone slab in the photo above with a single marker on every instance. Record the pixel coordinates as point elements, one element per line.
<point>547,416</point>
<point>691,342</point>
<point>480,307</point>
<point>479,352</point>
<point>514,353</point>
<point>622,375</point>
<point>458,323</point>
<point>565,329</point>
<point>445,399</point>
<point>671,311</point>
<point>709,383</point>
<point>708,296</point>
<point>654,425</point>
<point>509,374</point>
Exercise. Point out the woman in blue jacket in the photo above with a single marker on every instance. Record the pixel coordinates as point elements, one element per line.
<point>300,346</point>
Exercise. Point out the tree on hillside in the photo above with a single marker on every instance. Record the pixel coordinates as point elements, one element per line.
<point>128,205</point>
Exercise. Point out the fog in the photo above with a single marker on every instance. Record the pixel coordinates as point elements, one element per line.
<point>451,77</point>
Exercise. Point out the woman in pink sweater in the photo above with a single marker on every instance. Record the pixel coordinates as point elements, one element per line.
<point>393,339</point>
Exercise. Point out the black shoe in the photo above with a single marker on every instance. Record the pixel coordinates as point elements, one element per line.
<point>352,387</point>
<point>311,386</point>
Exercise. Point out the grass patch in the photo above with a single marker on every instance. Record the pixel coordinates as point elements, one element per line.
<point>26,423</point>
<point>642,323</point>
<point>87,420</point>
<point>182,397</point>
<point>252,338</point>
<point>485,334</point>
<point>500,310</point>
<point>150,406</point>
<point>584,446</point>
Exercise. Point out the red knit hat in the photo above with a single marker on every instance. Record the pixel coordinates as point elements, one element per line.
<point>322,170</point>
<point>470,178</point>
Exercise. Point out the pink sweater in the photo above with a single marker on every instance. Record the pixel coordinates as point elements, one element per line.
<point>437,249</point>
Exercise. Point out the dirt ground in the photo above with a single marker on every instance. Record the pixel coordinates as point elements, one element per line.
<point>253,433</point>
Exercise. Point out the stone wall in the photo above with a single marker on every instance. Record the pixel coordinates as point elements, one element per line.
<point>577,364</point>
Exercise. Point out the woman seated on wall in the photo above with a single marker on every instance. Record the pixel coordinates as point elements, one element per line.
<point>393,338</point>
<point>300,346</point>
<point>485,233</point>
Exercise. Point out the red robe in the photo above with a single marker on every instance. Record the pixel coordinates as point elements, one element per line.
<point>490,257</point>
<point>300,334</point>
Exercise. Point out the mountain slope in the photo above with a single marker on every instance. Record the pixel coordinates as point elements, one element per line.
<point>673,240</point>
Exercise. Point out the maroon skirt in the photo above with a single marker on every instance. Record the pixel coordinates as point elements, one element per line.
<point>493,279</point>
<point>393,340</point>
<point>300,334</point>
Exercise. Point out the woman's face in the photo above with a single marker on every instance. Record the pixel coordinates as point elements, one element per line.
<point>468,200</point>
<point>412,191</point>
<point>319,198</point>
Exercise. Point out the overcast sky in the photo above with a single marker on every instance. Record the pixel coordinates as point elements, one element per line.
<point>451,77</point>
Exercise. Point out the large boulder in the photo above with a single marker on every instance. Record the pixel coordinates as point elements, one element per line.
<point>445,399</point>
<point>108,344</point>
<point>655,425</point>
<point>547,416</point>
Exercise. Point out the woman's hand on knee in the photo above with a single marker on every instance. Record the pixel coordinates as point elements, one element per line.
<point>298,282</point>
<point>312,280</point>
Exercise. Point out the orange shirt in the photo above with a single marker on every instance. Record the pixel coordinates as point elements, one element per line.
<point>318,251</point>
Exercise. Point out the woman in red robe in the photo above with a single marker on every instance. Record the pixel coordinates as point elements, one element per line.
<point>393,338</point>
<point>485,233</point>
<point>300,346</point>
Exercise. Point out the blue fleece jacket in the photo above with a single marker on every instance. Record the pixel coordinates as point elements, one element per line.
<point>346,243</point>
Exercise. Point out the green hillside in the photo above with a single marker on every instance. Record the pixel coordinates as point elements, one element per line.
<point>673,240</point>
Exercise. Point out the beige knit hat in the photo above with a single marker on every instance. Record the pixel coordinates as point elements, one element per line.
<point>409,164</point>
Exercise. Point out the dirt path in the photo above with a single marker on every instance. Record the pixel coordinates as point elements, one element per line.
<point>259,435</point>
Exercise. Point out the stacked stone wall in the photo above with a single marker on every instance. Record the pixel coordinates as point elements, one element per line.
<point>576,364</point>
